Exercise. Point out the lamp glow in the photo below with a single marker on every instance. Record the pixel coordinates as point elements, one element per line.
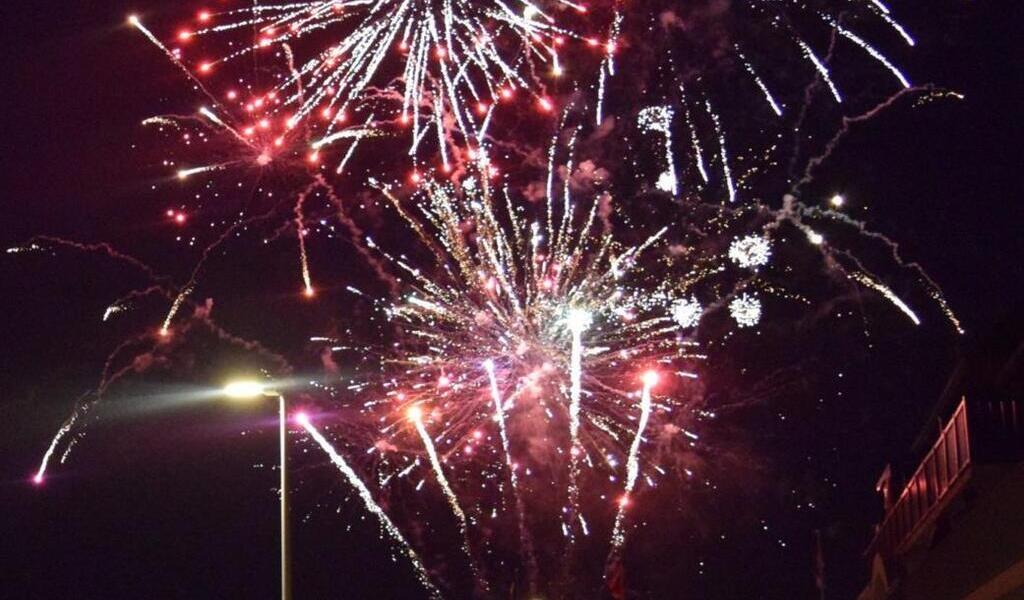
<point>244,390</point>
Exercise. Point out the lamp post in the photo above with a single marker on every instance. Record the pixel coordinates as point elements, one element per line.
<point>248,390</point>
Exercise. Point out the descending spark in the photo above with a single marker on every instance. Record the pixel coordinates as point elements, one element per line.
<point>301,232</point>
<point>455,55</point>
<point>880,6</point>
<point>524,534</point>
<point>607,68</point>
<point>870,50</point>
<point>757,79</point>
<point>723,152</point>
<point>650,379</point>
<point>179,300</point>
<point>698,154</point>
<point>112,310</point>
<point>822,69</point>
<point>307,281</point>
<point>883,11</point>
<point>355,134</point>
<point>577,321</point>
<point>415,414</point>
<point>885,291</point>
<point>135,22</point>
<point>659,119</point>
<point>186,173</point>
<point>209,114</point>
<point>362,134</point>
<point>64,429</point>
<point>370,503</point>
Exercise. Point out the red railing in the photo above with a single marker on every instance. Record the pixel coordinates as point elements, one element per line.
<point>940,470</point>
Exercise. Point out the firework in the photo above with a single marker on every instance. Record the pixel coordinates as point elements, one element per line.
<point>659,119</point>
<point>371,505</point>
<point>750,251</point>
<point>505,325</point>
<point>514,330</point>
<point>446,63</point>
<point>416,416</point>
<point>650,379</point>
<point>745,310</point>
<point>715,65</point>
<point>528,320</point>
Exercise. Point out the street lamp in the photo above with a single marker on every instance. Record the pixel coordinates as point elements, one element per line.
<point>250,390</point>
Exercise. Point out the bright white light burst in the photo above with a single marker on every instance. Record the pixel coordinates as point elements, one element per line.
<point>750,252</point>
<point>687,312</point>
<point>745,310</point>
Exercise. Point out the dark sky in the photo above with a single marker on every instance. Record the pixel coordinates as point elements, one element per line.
<point>169,505</point>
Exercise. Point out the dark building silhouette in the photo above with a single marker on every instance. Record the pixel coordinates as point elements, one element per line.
<point>954,520</point>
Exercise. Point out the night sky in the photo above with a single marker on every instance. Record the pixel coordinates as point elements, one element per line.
<point>162,500</point>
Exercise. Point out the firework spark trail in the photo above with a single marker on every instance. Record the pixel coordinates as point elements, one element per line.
<point>307,281</point>
<point>300,227</point>
<point>760,84</point>
<point>187,289</point>
<point>456,54</point>
<point>821,68</point>
<point>659,120</point>
<point>101,248</point>
<point>40,475</point>
<point>607,68</point>
<point>416,416</point>
<point>650,379</point>
<point>109,375</point>
<point>213,118</point>
<point>889,295</point>
<point>730,185</point>
<point>82,408</point>
<point>525,539</point>
<point>135,22</point>
<point>370,504</point>
<point>140,361</point>
<point>885,14</point>
<point>794,209</point>
<point>577,321</point>
<point>870,50</point>
<point>355,144</point>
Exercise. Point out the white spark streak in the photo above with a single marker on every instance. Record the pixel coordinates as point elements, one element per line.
<point>822,69</point>
<point>446,488</point>
<point>888,294</point>
<point>633,462</point>
<point>371,504</point>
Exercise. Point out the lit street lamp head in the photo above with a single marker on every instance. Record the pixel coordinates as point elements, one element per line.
<point>244,390</point>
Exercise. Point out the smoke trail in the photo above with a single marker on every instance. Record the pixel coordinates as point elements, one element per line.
<point>300,226</point>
